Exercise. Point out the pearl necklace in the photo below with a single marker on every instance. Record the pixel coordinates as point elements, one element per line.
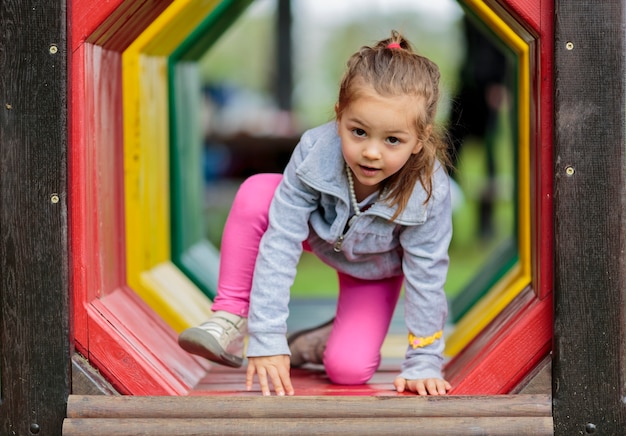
<point>355,204</point>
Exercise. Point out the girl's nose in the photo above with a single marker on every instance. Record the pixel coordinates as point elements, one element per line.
<point>371,150</point>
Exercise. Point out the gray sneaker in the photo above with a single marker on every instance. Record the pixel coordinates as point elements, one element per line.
<point>219,340</point>
<point>307,346</point>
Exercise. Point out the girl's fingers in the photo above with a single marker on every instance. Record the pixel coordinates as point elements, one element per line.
<point>281,380</point>
<point>431,386</point>
<point>420,388</point>
<point>274,369</point>
<point>285,377</point>
<point>400,384</point>
<point>444,388</point>
<point>262,374</point>
<point>276,381</point>
<point>250,376</point>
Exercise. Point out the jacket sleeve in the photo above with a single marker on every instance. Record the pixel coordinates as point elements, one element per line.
<point>425,266</point>
<point>279,253</point>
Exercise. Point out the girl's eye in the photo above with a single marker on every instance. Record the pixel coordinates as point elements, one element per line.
<point>359,132</point>
<point>393,140</point>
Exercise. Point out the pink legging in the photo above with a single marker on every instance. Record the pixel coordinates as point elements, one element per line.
<point>364,307</point>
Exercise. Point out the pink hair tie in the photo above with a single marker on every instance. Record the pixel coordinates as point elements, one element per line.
<point>394,45</point>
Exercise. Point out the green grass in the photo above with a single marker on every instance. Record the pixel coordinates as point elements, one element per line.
<point>314,278</point>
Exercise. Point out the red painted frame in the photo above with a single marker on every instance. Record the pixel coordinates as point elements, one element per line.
<point>519,338</point>
<point>121,336</point>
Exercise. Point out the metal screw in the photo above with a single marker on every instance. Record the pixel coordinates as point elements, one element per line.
<point>34,428</point>
<point>590,428</point>
<point>53,49</point>
<point>569,171</point>
<point>569,45</point>
<point>54,198</point>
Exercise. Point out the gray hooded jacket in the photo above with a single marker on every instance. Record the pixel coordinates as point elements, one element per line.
<point>312,203</point>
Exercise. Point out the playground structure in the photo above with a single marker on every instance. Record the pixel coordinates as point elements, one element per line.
<point>164,247</point>
<point>130,294</point>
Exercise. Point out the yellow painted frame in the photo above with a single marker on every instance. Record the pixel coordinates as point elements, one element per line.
<point>150,271</point>
<point>520,276</point>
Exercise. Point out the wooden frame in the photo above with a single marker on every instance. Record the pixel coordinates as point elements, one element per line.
<point>114,328</point>
<point>34,257</point>
<point>590,226</point>
<point>191,251</point>
<point>498,356</point>
<point>589,229</point>
<point>518,276</point>
<point>124,194</point>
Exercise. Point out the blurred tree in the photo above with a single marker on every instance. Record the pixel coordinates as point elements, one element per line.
<point>245,56</point>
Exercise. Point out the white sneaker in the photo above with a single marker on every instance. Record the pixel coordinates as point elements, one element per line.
<point>219,340</point>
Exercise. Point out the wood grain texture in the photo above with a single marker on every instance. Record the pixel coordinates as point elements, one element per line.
<point>363,415</point>
<point>34,291</point>
<point>98,406</point>
<point>590,225</point>
<point>542,158</point>
<point>463,426</point>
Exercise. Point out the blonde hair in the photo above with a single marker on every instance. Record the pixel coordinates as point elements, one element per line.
<point>393,71</point>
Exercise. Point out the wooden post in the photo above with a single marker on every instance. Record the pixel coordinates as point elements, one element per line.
<point>284,77</point>
<point>590,219</point>
<point>34,326</point>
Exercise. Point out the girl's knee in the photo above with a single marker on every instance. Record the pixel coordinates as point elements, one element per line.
<point>261,182</point>
<point>255,193</point>
<point>348,370</point>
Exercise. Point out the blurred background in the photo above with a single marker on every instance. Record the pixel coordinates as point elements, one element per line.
<point>275,73</point>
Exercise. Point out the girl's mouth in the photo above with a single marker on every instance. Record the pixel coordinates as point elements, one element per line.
<point>368,171</point>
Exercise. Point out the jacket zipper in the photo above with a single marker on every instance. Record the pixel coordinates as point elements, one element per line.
<point>346,229</point>
<point>338,244</point>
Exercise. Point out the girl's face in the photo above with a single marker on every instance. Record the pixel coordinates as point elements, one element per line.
<point>378,136</point>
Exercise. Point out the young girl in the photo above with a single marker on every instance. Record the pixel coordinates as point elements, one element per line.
<point>368,194</point>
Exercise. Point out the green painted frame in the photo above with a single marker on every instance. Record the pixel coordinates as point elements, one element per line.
<point>191,251</point>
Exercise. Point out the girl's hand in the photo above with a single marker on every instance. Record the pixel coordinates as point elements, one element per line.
<point>276,368</point>
<point>426,386</point>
